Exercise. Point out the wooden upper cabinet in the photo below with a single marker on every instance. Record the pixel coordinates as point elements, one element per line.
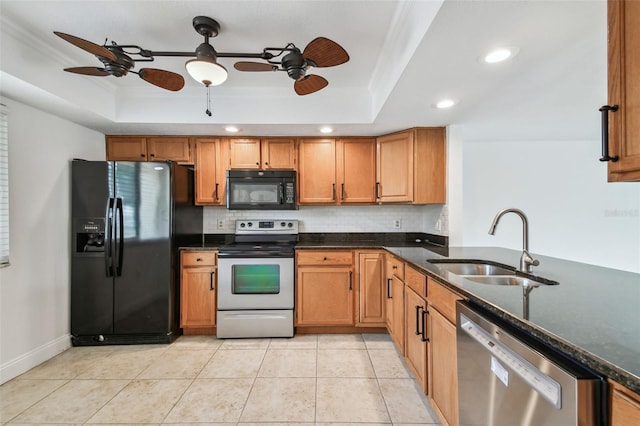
<point>337,171</point>
<point>356,168</point>
<point>624,90</point>
<point>210,167</point>
<point>317,178</point>
<point>411,166</point>
<point>149,148</point>
<point>126,148</point>
<point>278,153</point>
<point>255,153</point>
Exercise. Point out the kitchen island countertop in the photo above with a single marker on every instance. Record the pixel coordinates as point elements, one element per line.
<point>592,315</point>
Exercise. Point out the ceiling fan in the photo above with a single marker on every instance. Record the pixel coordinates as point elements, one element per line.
<point>119,59</point>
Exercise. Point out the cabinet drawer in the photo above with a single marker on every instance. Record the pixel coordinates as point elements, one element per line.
<point>443,299</point>
<point>313,257</point>
<point>199,258</point>
<point>416,281</point>
<point>395,267</point>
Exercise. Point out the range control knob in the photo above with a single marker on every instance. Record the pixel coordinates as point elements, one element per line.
<point>250,224</point>
<point>290,225</point>
<point>242,225</point>
<point>282,224</point>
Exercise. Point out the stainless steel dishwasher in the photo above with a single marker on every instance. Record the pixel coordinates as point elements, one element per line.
<point>507,378</point>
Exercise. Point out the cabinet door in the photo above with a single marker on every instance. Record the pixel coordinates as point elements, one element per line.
<point>278,153</point>
<point>169,148</point>
<point>317,177</point>
<point>356,162</point>
<point>624,91</point>
<point>416,335</point>
<point>443,366</point>
<point>371,289</point>
<point>394,168</point>
<point>624,405</point>
<point>210,182</point>
<point>198,297</point>
<point>395,311</point>
<point>324,296</point>
<point>126,148</point>
<point>244,153</point>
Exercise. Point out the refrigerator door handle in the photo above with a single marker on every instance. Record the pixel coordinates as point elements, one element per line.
<point>108,255</point>
<point>120,240</point>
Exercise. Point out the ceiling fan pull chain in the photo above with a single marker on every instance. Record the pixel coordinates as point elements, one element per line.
<point>208,111</point>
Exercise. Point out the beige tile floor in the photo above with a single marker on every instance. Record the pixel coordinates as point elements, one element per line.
<point>308,379</point>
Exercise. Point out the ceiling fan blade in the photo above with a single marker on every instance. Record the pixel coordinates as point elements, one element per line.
<point>90,47</point>
<point>254,66</point>
<point>98,72</point>
<point>310,84</point>
<point>161,78</point>
<point>325,53</point>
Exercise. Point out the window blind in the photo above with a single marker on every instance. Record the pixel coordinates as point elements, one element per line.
<point>4,185</point>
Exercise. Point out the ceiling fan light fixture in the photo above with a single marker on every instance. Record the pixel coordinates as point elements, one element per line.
<point>206,71</point>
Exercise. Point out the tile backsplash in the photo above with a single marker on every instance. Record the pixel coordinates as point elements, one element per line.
<point>430,219</point>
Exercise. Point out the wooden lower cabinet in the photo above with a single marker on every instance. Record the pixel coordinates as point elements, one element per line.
<point>415,309</point>
<point>324,288</point>
<point>198,283</point>
<point>371,295</point>
<point>624,405</point>
<point>395,311</point>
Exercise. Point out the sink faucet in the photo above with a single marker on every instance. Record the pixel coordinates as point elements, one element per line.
<point>526,261</point>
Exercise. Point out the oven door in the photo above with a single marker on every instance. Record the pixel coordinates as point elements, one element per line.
<point>255,283</point>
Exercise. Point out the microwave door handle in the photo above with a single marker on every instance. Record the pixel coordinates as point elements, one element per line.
<point>281,189</point>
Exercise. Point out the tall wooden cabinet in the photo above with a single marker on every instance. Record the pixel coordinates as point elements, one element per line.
<point>211,163</point>
<point>624,90</point>
<point>262,153</point>
<point>198,283</point>
<point>324,288</point>
<point>338,171</point>
<point>395,300</point>
<point>411,166</point>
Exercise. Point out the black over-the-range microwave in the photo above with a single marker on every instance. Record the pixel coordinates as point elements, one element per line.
<point>261,190</point>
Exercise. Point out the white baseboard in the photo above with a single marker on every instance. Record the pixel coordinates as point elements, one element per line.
<point>37,356</point>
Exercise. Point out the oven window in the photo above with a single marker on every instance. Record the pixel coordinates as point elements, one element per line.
<point>255,279</point>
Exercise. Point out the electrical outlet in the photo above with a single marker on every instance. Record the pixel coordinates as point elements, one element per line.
<point>397,224</point>
<point>438,225</point>
<point>220,223</point>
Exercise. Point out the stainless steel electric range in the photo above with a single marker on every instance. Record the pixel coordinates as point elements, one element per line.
<point>256,280</point>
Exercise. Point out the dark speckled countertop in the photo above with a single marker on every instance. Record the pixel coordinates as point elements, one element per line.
<point>593,315</point>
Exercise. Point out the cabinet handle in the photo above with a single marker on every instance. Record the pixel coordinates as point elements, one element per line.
<point>342,192</point>
<point>350,280</point>
<point>142,155</point>
<point>605,132</point>
<point>216,193</point>
<point>389,288</point>
<point>324,258</point>
<point>198,260</point>
<point>333,191</point>
<point>424,337</point>
<point>418,316</point>
<point>152,155</point>
<point>211,286</point>
<point>257,164</point>
<point>377,190</point>
<point>266,164</point>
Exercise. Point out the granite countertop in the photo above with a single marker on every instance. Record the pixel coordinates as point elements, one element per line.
<point>591,315</point>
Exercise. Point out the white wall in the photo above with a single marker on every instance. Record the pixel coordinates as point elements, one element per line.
<point>573,212</point>
<point>34,289</point>
<point>429,218</point>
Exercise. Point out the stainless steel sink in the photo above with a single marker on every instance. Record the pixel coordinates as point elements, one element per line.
<point>509,280</point>
<point>472,267</point>
<point>488,272</point>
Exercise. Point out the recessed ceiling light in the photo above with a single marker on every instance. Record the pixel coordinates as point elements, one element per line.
<point>326,129</point>
<point>499,55</point>
<point>232,129</point>
<point>445,103</point>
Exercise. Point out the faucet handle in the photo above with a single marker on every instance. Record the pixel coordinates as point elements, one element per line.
<point>526,262</point>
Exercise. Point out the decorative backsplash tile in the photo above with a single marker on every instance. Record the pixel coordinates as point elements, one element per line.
<point>427,218</point>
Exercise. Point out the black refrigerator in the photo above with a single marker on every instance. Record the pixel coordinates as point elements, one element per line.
<point>128,220</point>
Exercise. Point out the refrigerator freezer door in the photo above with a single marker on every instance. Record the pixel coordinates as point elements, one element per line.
<point>143,248</point>
<point>91,288</point>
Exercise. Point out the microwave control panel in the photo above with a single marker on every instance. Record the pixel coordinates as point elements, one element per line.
<point>289,193</point>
